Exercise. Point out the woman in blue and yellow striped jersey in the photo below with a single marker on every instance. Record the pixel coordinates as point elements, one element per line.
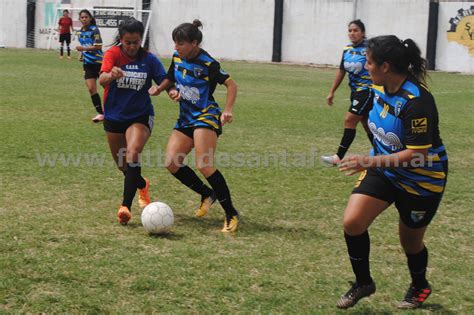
<point>195,75</point>
<point>408,166</point>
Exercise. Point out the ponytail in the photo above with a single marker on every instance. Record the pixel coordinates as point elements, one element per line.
<point>188,32</point>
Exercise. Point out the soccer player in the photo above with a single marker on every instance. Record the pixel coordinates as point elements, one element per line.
<point>353,62</point>
<point>65,30</point>
<point>200,121</point>
<point>408,166</point>
<point>91,56</point>
<point>127,73</point>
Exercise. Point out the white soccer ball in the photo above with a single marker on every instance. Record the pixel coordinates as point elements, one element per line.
<point>157,218</point>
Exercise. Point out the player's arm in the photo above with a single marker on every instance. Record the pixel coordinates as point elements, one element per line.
<point>341,72</point>
<point>109,71</point>
<point>231,86</point>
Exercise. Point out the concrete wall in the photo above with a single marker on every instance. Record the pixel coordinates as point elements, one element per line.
<point>455,49</point>
<point>13,23</point>
<point>315,31</point>
<point>232,29</point>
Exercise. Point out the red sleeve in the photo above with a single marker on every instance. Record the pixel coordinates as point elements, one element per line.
<point>111,59</point>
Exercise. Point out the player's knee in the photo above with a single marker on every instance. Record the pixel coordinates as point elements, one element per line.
<point>353,226</point>
<point>206,171</point>
<point>173,163</point>
<point>133,154</point>
<point>351,121</point>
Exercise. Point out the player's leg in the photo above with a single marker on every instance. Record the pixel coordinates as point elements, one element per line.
<point>61,47</point>
<point>360,106</point>
<point>118,148</point>
<point>68,43</point>
<point>370,197</point>
<point>180,143</point>
<point>205,143</point>
<point>136,135</point>
<point>91,83</point>
<point>415,214</point>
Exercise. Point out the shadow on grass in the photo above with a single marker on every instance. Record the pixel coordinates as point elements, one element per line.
<point>248,227</point>
<point>438,308</point>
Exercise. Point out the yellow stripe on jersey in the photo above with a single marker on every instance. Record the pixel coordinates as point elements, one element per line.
<point>210,122</point>
<point>433,158</point>
<point>208,63</point>
<point>431,187</point>
<point>411,96</point>
<point>177,59</point>
<point>419,146</point>
<point>378,88</point>
<point>208,108</point>
<point>409,189</point>
<point>432,174</point>
<point>216,116</point>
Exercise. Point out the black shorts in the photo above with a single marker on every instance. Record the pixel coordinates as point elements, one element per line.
<point>190,130</point>
<point>361,102</point>
<point>91,70</point>
<point>65,38</point>
<point>122,126</point>
<point>415,211</point>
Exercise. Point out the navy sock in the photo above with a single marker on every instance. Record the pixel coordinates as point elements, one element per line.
<point>219,185</point>
<point>97,103</point>
<point>346,141</point>
<point>417,264</point>
<point>358,248</point>
<point>132,181</point>
<point>189,178</point>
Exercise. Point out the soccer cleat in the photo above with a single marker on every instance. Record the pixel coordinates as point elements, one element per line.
<point>206,204</point>
<point>355,293</point>
<point>415,297</point>
<point>330,160</point>
<point>69,57</point>
<point>98,118</point>
<point>61,57</point>
<point>231,225</point>
<point>124,215</point>
<point>143,195</point>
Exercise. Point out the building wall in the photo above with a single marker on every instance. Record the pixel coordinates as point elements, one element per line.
<point>232,29</point>
<point>13,23</point>
<point>455,49</point>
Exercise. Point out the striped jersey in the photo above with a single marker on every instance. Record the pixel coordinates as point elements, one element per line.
<point>196,80</point>
<point>127,98</point>
<point>353,62</point>
<point>90,36</point>
<point>408,119</point>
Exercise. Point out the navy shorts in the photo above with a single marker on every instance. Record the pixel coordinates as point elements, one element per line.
<point>91,70</point>
<point>65,38</point>
<point>415,211</point>
<point>190,131</point>
<point>361,102</point>
<point>122,126</point>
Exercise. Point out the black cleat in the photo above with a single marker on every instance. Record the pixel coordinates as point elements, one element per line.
<point>355,293</point>
<point>415,297</point>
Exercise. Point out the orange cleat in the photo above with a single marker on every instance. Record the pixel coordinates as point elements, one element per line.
<point>124,215</point>
<point>143,195</point>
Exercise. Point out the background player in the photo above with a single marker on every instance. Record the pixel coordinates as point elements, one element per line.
<point>408,167</point>
<point>200,121</point>
<point>91,56</point>
<point>65,31</point>
<point>127,72</point>
<point>353,62</point>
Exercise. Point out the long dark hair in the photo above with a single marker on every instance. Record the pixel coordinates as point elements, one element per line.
<point>89,14</point>
<point>130,25</point>
<point>188,32</point>
<point>403,56</point>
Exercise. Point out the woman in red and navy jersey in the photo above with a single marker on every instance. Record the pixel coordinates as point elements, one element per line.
<point>196,74</point>
<point>65,31</point>
<point>127,73</point>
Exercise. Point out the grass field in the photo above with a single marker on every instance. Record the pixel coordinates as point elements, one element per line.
<point>63,251</point>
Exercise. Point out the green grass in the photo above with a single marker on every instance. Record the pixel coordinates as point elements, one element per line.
<point>62,250</point>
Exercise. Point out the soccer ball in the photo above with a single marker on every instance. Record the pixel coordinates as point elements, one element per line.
<point>157,218</point>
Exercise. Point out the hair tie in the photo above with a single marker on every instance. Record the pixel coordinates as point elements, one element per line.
<point>404,43</point>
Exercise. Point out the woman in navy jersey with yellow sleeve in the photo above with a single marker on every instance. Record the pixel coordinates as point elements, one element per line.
<point>127,73</point>
<point>407,167</point>
<point>195,74</point>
